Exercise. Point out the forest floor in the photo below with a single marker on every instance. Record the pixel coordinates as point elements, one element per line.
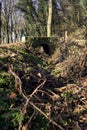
<point>52,86</point>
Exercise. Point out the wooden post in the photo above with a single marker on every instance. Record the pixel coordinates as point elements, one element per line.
<point>66,37</point>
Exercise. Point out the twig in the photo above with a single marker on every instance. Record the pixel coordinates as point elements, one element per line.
<point>46,93</point>
<point>25,126</point>
<point>36,90</point>
<point>41,112</point>
<point>18,83</point>
<point>30,118</point>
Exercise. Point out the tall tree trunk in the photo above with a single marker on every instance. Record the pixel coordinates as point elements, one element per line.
<point>49,21</point>
<point>7,28</point>
<point>11,29</point>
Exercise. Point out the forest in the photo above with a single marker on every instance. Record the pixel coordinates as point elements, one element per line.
<point>43,64</point>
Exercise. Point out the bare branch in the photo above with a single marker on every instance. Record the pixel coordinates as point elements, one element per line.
<point>37,88</point>
<point>42,113</point>
<point>18,83</point>
<point>28,98</point>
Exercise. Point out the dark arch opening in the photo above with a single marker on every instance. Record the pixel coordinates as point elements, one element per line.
<point>46,48</point>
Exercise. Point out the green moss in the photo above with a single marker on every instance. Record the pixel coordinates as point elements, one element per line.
<point>30,58</point>
<point>41,122</point>
<point>6,79</point>
<point>8,119</point>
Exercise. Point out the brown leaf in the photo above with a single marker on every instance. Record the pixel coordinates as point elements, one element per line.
<point>12,95</point>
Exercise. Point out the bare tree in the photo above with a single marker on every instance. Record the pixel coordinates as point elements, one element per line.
<point>12,22</point>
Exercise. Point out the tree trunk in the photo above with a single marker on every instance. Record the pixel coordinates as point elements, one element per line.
<point>7,28</point>
<point>49,21</point>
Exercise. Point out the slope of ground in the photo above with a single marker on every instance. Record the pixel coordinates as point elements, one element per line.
<point>43,92</point>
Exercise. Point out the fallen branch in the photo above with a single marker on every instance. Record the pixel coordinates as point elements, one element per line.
<point>42,113</point>
<point>18,85</point>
